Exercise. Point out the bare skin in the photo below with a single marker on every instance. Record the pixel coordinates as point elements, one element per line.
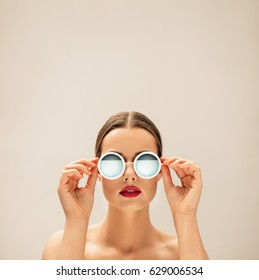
<point>126,232</point>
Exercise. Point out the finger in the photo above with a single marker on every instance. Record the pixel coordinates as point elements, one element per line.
<point>69,180</point>
<point>167,179</point>
<point>73,174</point>
<point>79,167</point>
<point>194,169</point>
<point>173,163</point>
<point>92,179</point>
<point>88,163</point>
<point>186,181</point>
<point>170,160</point>
<point>163,159</point>
<point>177,161</point>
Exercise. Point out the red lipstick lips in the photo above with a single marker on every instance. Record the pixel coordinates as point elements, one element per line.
<point>130,191</point>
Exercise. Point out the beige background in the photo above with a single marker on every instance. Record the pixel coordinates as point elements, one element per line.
<point>191,66</point>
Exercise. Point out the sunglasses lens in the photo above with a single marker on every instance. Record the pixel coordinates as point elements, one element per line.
<point>147,166</point>
<point>111,166</point>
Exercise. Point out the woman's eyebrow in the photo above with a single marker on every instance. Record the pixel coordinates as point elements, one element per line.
<point>141,152</point>
<point>135,153</point>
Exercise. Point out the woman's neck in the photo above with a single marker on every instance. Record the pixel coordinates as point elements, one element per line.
<point>128,231</point>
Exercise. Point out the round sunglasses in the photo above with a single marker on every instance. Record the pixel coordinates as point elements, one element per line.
<point>112,165</point>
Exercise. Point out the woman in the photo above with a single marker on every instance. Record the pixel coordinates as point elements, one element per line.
<point>126,232</point>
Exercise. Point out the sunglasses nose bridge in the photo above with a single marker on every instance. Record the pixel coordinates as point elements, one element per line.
<point>129,172</point>
<point>129,163</point>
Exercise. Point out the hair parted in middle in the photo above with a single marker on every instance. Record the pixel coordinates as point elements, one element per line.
<point>131,120</point>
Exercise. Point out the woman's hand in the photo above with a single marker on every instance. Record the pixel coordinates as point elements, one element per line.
<point>183,199</point>
<point>76,201</point>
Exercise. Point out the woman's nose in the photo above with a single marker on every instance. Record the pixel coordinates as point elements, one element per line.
<point>129,174</point>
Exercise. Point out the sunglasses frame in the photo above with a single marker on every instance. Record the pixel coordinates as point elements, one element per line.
<point>125,163</point>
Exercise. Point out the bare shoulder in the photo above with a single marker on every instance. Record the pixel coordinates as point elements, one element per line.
<point>94,249</point>
<point>52,245</point>
<point>167,246</point>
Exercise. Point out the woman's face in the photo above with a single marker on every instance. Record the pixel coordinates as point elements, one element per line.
<point>129,142</point>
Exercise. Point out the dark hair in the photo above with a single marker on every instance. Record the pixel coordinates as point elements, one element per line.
<point>130,120</point>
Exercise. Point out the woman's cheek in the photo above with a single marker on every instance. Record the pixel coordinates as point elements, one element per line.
<point>111,188</point>
<point>151,190</point>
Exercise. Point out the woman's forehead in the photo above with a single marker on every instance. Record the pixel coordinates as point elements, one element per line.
<point>129,140</point>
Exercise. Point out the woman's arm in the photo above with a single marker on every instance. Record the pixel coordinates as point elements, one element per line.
<point>189,239</point>
<point>184,202</point>
<point>72,246</point>
<point>77,203</point>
